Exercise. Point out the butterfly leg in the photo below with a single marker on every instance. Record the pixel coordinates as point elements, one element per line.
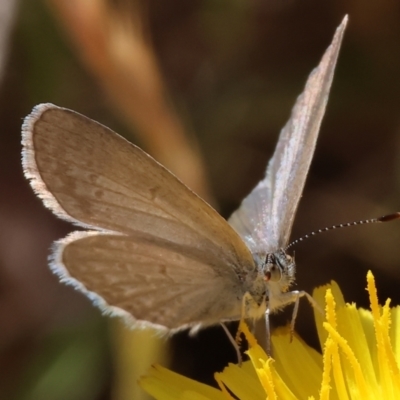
<point>268,332</point>
<point>234,344</point>
<point>294,297</point>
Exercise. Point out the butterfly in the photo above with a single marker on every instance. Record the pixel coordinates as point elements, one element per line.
<point>154,252</point>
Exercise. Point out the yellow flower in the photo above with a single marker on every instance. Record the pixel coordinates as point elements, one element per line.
<point>360,360</point>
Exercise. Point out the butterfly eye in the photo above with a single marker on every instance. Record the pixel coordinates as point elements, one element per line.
<point>275,273</point>
<point>272,270</point>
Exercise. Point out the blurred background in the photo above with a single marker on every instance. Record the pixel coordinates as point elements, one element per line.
<point>204,86</point>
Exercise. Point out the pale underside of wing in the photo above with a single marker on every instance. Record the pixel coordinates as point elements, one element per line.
<point>146,280</point>
<point>265,218</point>
<point>87,174</point>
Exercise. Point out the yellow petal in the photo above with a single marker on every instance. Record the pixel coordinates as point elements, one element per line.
<point>259,359</point>
<point>351,329</point>
<point>356,381</point>
<point>298,365</point>
<point>242,381</point>
<point>319,296</point>
<point>266,378</point>
<point>388,369</point>
<point>331,354</point>
<point>164,384</point>
<point>395,332</point>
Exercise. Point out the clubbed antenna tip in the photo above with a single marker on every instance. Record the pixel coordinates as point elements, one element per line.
<point>390,217</point>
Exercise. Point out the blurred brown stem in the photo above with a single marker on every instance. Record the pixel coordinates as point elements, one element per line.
<point>112,43</point>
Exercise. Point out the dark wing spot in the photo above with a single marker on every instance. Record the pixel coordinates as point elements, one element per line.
<point>99,193</point>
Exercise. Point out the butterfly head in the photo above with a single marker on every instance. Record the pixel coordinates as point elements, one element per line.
<point>276,272</point>
<point>278,268</point>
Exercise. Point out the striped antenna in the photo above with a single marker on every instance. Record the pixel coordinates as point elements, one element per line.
<point>385,218</point>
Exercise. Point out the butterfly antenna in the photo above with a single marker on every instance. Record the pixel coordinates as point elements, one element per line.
<point>385,218</point>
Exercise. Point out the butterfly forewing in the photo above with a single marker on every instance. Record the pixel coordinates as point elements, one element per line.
<point>265,217</point>
<point>88,174</point>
